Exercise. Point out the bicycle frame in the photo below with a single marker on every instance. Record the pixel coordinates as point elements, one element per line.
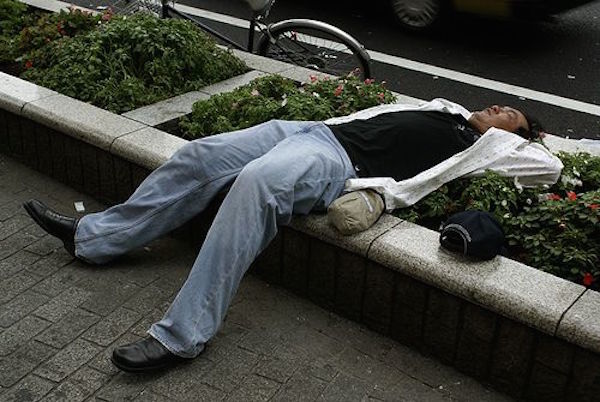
<point>168,11</point>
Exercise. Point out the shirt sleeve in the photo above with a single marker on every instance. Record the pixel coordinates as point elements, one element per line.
<point>531,164</point>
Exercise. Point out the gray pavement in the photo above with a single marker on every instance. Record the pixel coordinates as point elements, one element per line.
<point>60,320</point>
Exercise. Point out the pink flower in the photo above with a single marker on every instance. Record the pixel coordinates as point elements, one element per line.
<point>313,78</point>
<point>381,96</point>
<point>571,195</point>
<point>338,90</point>
<point>369,81</point>
<point>588,279</point>
<point>594,206</point>
<point>554,197</point>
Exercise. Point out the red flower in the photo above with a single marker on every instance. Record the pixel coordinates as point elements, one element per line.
<point>28,64</point>
<point>107,16</point>
<point>554,197</point>
<point>594,206</point>
<point>313,78</point>
<point>588,279</point>
<point>572,196</point>
<point>338,90</point>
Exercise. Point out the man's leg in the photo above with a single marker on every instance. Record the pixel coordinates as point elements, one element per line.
<point>176,191</point>
<point>300,174</point>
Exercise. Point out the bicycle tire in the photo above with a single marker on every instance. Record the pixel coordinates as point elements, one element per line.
<point>315,45</point>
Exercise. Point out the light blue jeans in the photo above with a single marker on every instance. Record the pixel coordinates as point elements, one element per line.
<point>278,168</point>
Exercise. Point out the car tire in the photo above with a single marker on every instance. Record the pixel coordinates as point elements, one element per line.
<point>417,15</point>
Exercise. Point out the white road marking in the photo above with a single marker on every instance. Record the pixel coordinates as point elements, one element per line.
<point>435,71</point>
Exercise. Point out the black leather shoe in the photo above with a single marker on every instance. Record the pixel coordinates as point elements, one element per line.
<point>54,223</point>
<point>145,355</point>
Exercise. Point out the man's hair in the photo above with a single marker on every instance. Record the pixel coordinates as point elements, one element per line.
<point>535,128</point>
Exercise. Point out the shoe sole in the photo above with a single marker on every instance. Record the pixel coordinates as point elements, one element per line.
<point>149,368</point>
<point>40,223</point>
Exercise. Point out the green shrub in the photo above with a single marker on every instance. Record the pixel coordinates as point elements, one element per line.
<point>555,229</point>
<point>49,27</point>
<point>13,16</point>
<point>275,97</point>
<point>23,30</point>
<point>131,62</point>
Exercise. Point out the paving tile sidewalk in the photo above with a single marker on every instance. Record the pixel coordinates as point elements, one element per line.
<point>60,320</point>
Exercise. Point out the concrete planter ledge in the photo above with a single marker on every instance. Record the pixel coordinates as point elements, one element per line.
<point>394,277</point>
<point>517,291</point>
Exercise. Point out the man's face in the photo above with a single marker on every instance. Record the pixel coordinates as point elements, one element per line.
<point>503,117</point>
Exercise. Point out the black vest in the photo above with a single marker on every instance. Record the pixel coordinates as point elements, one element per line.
<point>402,144</point>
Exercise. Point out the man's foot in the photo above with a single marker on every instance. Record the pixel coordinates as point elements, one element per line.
<point>145,355</point>
<point>54,223</point>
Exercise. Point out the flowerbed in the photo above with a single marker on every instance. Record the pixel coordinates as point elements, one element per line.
<point>275,97</point>
<point>121,63</point>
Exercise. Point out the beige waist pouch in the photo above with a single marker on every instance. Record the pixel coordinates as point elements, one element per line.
<point>355,211</point>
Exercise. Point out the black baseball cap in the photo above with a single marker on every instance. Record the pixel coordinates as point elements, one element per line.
<point>473,233</point>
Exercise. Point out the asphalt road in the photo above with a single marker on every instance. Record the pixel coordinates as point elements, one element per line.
<point>558,57</point>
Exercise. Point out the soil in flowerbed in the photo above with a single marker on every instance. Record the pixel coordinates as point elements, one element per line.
<point>11,68</point>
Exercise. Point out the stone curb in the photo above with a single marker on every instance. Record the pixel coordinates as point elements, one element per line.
<point>522,293</point>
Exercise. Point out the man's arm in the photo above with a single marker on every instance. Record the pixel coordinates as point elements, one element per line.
<point>530,163</point>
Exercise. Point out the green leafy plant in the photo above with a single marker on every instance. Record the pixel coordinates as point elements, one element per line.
<point>130,62</point>
<point>275,97</point>
<point>53,26</point>
<point>560,235</point>
<point>23,30</point>
<point>555,229</point>
<point>13,17</point>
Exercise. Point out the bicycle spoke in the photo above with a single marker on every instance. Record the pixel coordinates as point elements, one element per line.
<point>297,47</point>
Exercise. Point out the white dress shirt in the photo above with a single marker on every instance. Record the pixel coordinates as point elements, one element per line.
<point>529,163</point>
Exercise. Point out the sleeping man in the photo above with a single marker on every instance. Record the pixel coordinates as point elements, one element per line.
<point>281,168</point>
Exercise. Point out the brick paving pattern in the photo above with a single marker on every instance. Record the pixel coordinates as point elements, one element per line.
<point>60,320</point>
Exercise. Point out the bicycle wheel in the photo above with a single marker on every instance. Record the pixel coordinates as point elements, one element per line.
<point>315,45</point>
